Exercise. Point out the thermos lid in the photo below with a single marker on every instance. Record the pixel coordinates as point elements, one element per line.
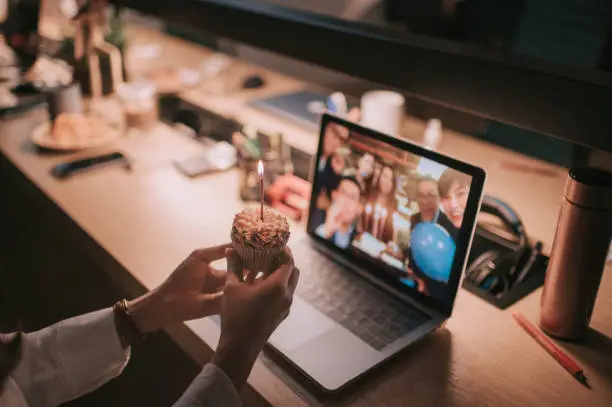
<point>590,188</point>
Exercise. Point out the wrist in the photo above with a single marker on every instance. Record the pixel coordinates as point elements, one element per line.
<point>145,313</point>
<point>236,359</point>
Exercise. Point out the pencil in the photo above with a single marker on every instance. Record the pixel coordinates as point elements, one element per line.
<point>561,357</point>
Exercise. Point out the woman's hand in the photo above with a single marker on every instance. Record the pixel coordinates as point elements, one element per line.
<point>193,290</point>
<point>250,312</point>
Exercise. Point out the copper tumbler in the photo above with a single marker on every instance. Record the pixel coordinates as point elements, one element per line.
<point>579,253</point>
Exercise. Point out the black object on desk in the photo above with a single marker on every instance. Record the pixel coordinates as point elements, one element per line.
<point>253,82</point>
<point>65,99</point>
<point>485,241</point>
<point>65,170</point>
<point>203,122</point>
<point>502,270</point>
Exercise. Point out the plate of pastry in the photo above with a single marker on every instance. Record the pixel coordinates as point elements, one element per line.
<point>71,132</point>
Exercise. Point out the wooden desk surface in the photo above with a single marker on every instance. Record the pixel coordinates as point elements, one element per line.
<point>150,219</point>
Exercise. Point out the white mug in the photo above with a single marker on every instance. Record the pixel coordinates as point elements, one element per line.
<point>383,111</point>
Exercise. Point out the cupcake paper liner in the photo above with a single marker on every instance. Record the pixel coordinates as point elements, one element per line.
<point>257,260</point>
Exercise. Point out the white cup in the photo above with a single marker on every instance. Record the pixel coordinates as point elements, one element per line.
<point>383,111</point>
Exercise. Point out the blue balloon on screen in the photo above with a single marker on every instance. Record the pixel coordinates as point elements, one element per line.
<point>433,250</point>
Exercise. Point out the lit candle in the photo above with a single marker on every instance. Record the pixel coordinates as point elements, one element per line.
<point>368,210</point>
<point>376,218</point>
<point>383,219</point>
<point>396,225</point>
<point>260,171</point>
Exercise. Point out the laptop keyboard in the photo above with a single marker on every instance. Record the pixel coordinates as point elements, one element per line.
<point>372,315</point>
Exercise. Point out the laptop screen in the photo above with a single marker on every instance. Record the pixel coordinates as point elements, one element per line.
<point>381,202</point>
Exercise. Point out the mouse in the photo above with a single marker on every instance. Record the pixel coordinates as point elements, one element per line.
<point>253,82</point>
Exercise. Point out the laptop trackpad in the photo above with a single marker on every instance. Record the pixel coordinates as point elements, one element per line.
<point>303,324</point>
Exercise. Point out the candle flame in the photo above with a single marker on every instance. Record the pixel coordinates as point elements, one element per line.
<point>260,168</point>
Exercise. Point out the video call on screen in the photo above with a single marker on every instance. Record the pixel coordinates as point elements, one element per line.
<point>400,209</point>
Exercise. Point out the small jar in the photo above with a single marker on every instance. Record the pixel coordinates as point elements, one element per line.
<point>139,101</point>
<point>65,99</point>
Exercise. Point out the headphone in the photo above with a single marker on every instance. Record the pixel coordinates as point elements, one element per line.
<point>497,271</point>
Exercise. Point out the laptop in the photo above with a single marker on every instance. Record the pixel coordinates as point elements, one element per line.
<point>386,244</point>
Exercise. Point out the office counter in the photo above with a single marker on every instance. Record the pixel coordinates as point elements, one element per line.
<point>135,227</point>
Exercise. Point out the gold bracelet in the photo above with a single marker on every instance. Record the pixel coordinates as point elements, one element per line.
<point>124,315</point>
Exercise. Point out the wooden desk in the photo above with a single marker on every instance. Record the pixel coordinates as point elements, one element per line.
<point>154,217</point>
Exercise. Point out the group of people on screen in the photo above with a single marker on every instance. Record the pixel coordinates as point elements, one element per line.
<point>359,192</point>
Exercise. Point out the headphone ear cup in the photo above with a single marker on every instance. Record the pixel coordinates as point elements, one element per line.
<point>481,267</point>
<point>503,269</point>
<point>489,271</point>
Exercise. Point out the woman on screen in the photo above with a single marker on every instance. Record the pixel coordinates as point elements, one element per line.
<point>365,172</point>
<point>329,180</point>
<point>382,205</point>
<point>454,188</point>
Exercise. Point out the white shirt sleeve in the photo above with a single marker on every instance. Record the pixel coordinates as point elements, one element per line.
<point>68,359</point>
<point>210,388</point>
<point>11,395</point>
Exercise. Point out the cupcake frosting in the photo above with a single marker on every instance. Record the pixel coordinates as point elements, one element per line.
<point>250,230</point>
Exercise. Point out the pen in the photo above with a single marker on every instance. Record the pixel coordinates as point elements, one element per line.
<point>564,360</point>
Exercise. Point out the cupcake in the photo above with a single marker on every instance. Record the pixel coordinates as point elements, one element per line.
<point>259,243</point>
